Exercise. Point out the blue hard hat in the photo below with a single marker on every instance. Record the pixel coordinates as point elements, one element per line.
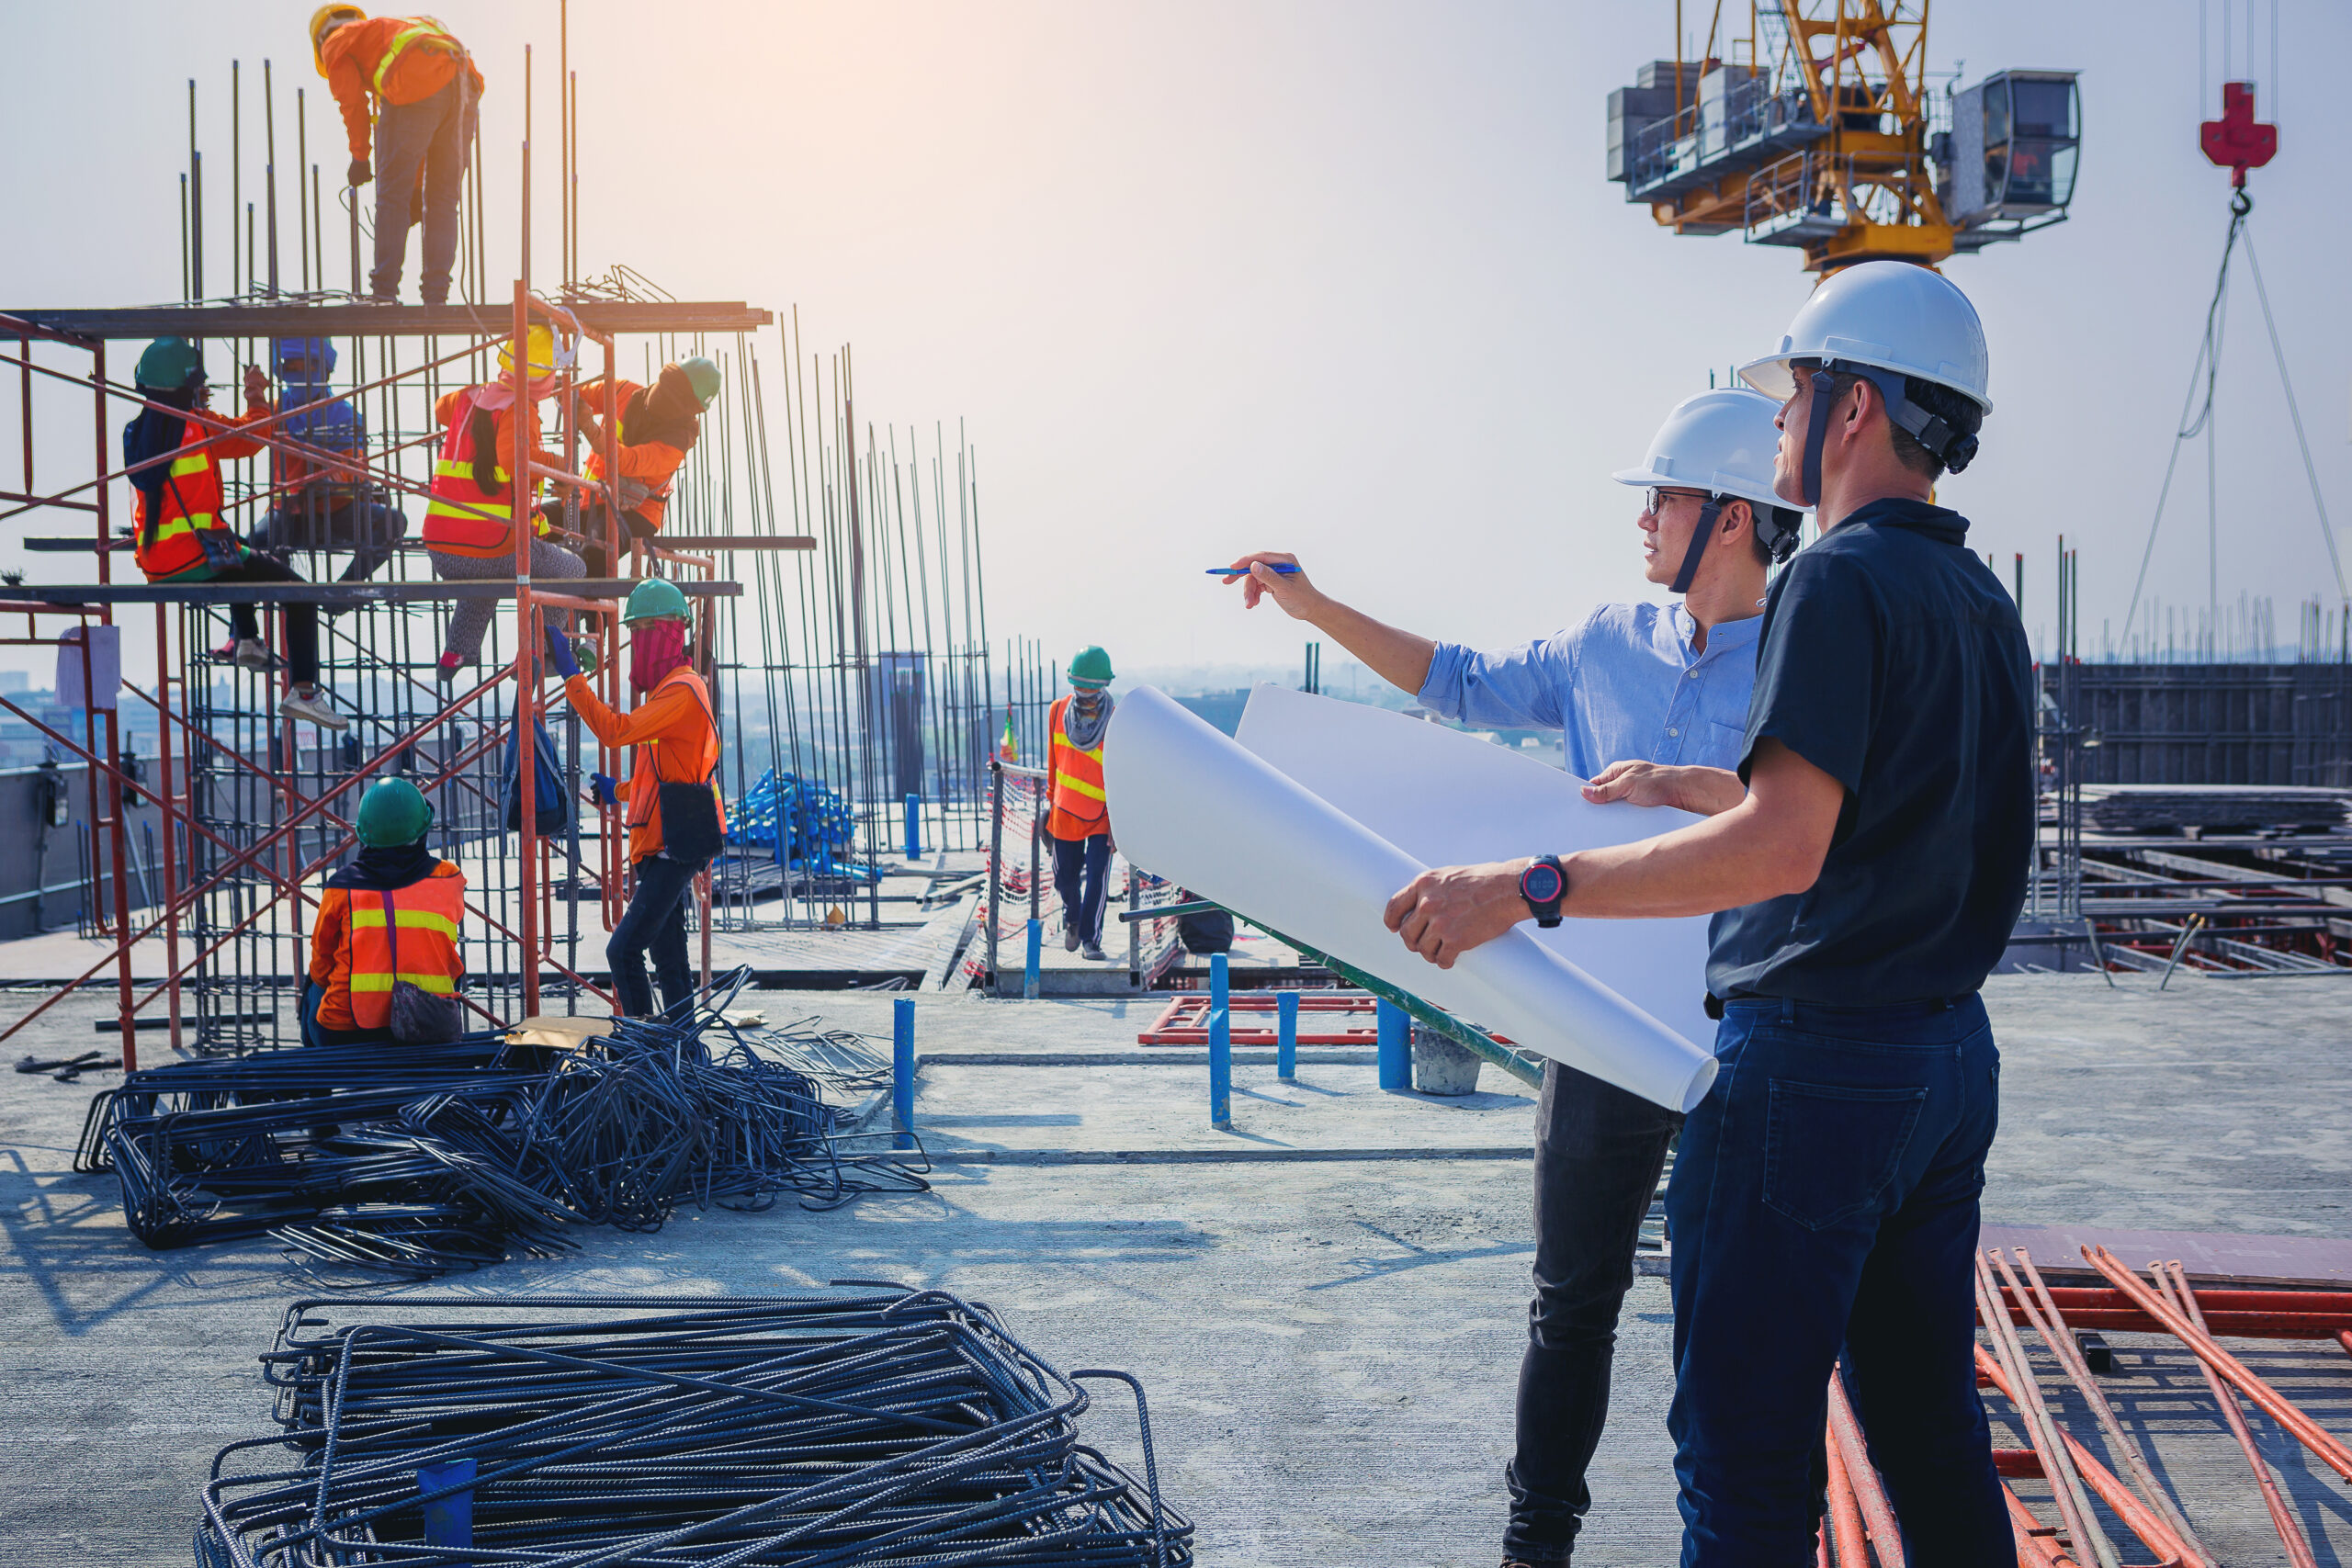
<point>316,354</point>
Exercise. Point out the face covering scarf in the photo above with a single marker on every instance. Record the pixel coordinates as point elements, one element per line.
<point>655,647</point>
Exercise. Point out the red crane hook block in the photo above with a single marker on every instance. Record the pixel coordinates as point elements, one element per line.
<point>2238,141</point>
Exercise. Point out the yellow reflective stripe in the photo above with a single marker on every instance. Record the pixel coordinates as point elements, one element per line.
<point>463,469</point>
<point>187,523</point>
<point>411,919</point>
<point>1080,786</point>
<point>192,464</point>
<point>425,26</point>
<point>439,984</point>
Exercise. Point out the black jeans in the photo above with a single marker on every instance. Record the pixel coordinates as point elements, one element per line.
<point>1823,1209</point>
<point>655,920</point>
<point>1081,868</point>
<point>1598,1156</point>
<point>302,620</point>
<point>368,529</point>
<point>421,149</point>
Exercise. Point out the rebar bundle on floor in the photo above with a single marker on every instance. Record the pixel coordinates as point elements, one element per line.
<point>858,1428</point>
<point>417,1161</point>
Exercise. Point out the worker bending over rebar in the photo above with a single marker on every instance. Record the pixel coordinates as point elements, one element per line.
<point>314,507</point>
<point>384,960</point>
<point>1866,862</point>
<point>676,820</point>
<point>410,84</point>
<point>656,427</point>
<point>181,532</point>
<point>1661,690</point>
<point>469,521</point>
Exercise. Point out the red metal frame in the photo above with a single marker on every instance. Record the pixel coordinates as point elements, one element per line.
<point>1185,1020</point>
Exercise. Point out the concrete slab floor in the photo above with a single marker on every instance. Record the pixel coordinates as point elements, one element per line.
<point>1329,1348</point>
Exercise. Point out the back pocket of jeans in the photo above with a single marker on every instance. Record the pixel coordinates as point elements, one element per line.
<point>1830,1151</point>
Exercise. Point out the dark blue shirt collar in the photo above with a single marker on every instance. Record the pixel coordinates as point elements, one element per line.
<point>1940,524</point>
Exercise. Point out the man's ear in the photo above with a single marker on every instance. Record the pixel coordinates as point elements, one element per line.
<point>1734,513</point>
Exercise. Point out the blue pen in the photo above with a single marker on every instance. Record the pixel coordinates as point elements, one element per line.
<point>1283,568</point>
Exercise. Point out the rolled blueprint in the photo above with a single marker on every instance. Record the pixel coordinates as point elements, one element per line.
<point>1192,806</point>
<point>1449,798</point>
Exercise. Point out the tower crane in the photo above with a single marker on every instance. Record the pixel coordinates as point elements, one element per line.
<point>1827,138</point>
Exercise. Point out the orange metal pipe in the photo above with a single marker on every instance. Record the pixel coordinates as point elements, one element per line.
<point>1844,1521</point>
<point>2174,1282</point>
<point>1878,1514</point>
<point>2312,1436</point>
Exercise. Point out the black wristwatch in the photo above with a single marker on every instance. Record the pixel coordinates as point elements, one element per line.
<point>1544,884</point>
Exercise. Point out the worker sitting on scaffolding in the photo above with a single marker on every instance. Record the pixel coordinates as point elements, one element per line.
<point>389,919</point>
<point>182,535</point>
<point>314,507</point>
<point>1077,819</point>
<point>422,88</point>
<point>468,523</point>
<point>675,820</point>
<point>657,426</point>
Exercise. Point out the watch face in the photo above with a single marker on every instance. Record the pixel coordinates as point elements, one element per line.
<point>1540,884</point>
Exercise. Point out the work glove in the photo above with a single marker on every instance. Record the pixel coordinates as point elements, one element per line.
<point>360,172</point>
<point>560,654</point>
<point>607,792</point>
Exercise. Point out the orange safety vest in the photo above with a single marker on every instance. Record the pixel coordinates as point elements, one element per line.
<point>692,764</point>
<point>426,30</point>
<point>462,518</point>
<point>190,511</point>
<point>427,914</point>
<point>1079,808</point>
<point>655,503</point>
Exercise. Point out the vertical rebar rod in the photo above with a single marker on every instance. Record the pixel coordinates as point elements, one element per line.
<point>238,264</point>
<point>269,167</point>
<point>195,202</point>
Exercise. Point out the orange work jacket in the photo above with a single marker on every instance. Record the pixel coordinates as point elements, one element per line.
<point>650,463</point>
<point>400,60</point>
<point>462,518</point>
<point>1076,807</point>
<point>676,737</point>
<point>351,947</point>
<point>172,549</point>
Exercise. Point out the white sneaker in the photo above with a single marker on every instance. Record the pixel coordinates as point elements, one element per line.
<point>252,654</point>
<point>312,708</point>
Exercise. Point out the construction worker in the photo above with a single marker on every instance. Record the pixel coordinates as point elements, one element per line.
<point>1667,684</point>
<point>415,86</point>
<point>672,834</point>
<point>1078,816</point>
<point>1866,860</point>
<point>181,534</point>
<point>395,898</point>
<point>469,522</point>
<point>657,426</point>
<point>314,507</point>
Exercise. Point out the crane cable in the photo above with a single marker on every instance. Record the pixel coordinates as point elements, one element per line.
<point>2208,369</point>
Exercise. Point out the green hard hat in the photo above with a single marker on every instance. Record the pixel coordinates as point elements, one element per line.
<point>393,813</point>
<point>170,364</point>
<point>1091,669</point>
<point>655,599</point>
<point>704,376</point>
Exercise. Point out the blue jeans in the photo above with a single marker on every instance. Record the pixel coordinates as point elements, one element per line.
<point>1824,1203</point>
<point>1082,875</point>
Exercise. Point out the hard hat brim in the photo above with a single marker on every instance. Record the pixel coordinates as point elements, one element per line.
<point>1715,484</point>
<point>1774,378</point>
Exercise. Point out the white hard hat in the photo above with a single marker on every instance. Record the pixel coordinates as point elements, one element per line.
<point>1886,315</point>
<point>1721,442</point>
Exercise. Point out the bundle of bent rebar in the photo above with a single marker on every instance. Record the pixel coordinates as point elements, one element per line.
<point>862,1428</point>
<point>418,1161</point>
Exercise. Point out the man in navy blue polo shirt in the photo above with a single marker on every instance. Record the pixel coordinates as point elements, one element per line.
<point>1824,1205</point>
<point>1657,694</point>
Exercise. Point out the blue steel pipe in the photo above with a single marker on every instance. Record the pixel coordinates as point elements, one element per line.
<point>1220,1047</point>
<point>902,1070</point>
<point>914,826</point>
<point>1396,1046</point>
<point>1029,968</point>
<point>1286,1036</point>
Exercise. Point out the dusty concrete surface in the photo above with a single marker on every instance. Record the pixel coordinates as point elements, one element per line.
<point>1328,1345</point>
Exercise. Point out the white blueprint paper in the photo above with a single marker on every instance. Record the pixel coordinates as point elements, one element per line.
<point>1447,799</point>
<point>1194,806</point>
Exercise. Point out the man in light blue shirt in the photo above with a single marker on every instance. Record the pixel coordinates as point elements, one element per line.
<point>1634,690</point>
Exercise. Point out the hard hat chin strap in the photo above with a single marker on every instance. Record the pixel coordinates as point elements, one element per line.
<point>1943,443</point>
<point>1699,534</point>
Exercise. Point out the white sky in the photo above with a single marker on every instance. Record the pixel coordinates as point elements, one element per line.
<point>1342,278</point>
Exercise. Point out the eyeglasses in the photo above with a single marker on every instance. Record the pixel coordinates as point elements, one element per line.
<point>1656,497</point>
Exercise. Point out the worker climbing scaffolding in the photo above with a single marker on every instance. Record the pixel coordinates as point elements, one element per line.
<point>654,427</point>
